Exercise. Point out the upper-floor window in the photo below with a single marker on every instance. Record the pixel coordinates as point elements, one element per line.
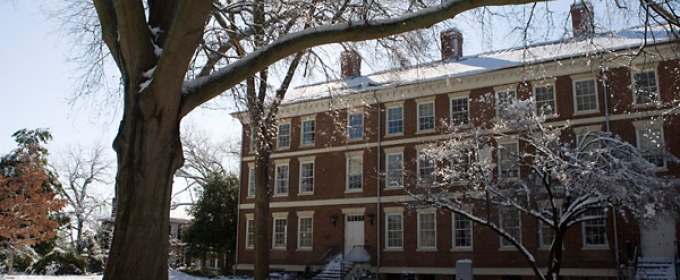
<point>280,230</point>
<point>544,96</point>
<point>305,232</point>
<point>651,145</point>
<point>585,95</point>
<point>425,116</point>
<point>250,233</point>
<point>460,114</point>
<point>355,125</point>
<point>504,99</point>
<point>511,224</point>
<point>427,230</point>
<point>308,132</point>
<point>507,160</point>
<point>253,139</point>
<point>251,182</point>
<point>394,230</point>
<point>281,181</point>
<point>283,138</point>
<point>462,231</point>
<point>355,171</point>
<point>307,177</point>
<point>645,89</point>
<point>426,169</point>
<point>460,167</point>
<point>595,230</point>
<point>395,120</point>
<point>394,173</point>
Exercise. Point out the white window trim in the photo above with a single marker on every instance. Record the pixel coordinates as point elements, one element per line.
<point>387,119</point>
<point>546,84</point>
<point>420,246</point>
<point>453,235</point>
<point>387,171</point>
<point>363,124</point>
<point>290,132</point>
<point>354,156</point>
<point>641,130</point>
<point>251,180</point>
<point>573,93</point>
<point>451,99</point>
<point>305,215</point>
<point>519,231</point>
<point>249,219</point>
<point>305,161</point>
<point>302,130</point>
<point>434,165</point>
<point>285,231</point>
<point>434,121</point>
<point>401,216</point>
<point>498,99</point>
<point>253,145</point>
<point>604,246</point>
<point>651,68</point>
<point>499,159</point>
<point>277,164</point>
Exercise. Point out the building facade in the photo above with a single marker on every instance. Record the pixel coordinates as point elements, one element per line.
<point>345,149</point>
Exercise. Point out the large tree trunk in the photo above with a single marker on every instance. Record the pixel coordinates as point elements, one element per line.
<point>10,262</point>
<point>149,152</point>
<point>261,215</point>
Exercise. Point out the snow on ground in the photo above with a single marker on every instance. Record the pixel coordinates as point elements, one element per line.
<point>174,275</point>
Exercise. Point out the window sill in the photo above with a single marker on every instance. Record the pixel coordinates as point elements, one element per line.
<point>354,191</point>
<point>595,248</point>
<point>507,249</point>
<point>587,112</point>
<point>653,104</point>
<point>305,194</point>
<point>279,249</point>
<point>280,195</point>
<point>250,197</point>
<point>400,249</point>
<point>250,248</point>
<point>461,249</point>
<point>283,149</point>
<point>306,145</point>
<point>426,131</point>
<point>303,249</point>
<point>426,250</point>
<point>393,188</point>
<point>394,134</point>
<point>353,140</point>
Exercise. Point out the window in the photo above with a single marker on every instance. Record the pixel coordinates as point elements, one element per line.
<point>394,235</point>
<point>545,100</point>
<point>305,232</point>
<point>356,125</point>
<point>395,177</point>
<point>460,114</point>
<point>306,177</point>
<point>651,145</point>
<point>280,229</point>
<point>426,175</point>
<point>504,100</point>
<point>427,230</point>
<point>462,231</point>
<point>251,182</point>
<point>460,166</point>
<point>510,223</point>
<point>595,231</point>
<point>395,120</point>
<point>546,235</point>
<point>281,179</point>
<point>425,116</point>
<point>283,138</point>
<point>253,139</point>
<point>355,171</point>
<point>308,128</point>
<point>585,95</point>
<point>507,160</point>
<point>645,89</point>
<point>250,233</point>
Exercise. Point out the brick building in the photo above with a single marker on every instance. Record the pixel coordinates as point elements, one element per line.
<point>336,172</point>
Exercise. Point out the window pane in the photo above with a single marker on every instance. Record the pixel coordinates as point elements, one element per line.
<point>394,170</point>
<point>308,128</point>
<point>595,231</point>
<point>510,223</point>
<point>281,179</point>
<point>307,177</point>
<point>645,88</point>
<point>651,145</point>
<point>426,166</point>
<point>426,116</point>
<point>251,182</point>
<point>459,111</point>
<point>394,231</point>
<point>284,136</point>
<point>427,237</point>
<point>505,98</point>
<point>395,122</point>
<point>545,100</point>
<point>356,126</point>
<point>305,233</point>
<point>508,160</point>
<point>462,231</point>
<point>280,226</point>
<point>586,95</point>
<point>250,233</point>
<point>355,170</point>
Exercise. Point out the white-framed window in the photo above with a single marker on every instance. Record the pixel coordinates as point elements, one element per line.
<point>546,235</point>
<point>510,223</point>
<point>283,137</point>
<point>651,144</point>
<point>251,182</point>
<point>425,116</point>
<point>305,232</point>
<point>355,125</point>
<point>645,87</point>
<point>505,99</point>
<point>394,230</point>
<point>307,177</point>
<point>282,176</point>
<point>544,97</point>
<point>426,169</point>
<point>395,120</point>
<point>250,233</point>
<point>427,230</point>
<point>395,170</point>
<point>585,95</point>
<point>460,166</point>
<point>595,231</point>
<point>462,231</point>
<point>280,232</point>
<point>507,160</point>
<point>460,111</point>
<point>253,139</point>
<point>308,132</point>
<point>355,173</point>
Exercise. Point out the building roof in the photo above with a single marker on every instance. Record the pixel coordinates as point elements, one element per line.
<point>628,39</point>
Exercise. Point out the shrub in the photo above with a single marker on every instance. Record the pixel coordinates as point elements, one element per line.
<point>59,262</point>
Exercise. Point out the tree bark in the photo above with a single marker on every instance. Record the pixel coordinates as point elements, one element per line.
<point>261,221</point>
<point>10,263</point>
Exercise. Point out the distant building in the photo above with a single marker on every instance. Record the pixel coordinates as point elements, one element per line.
<point>338,191</point>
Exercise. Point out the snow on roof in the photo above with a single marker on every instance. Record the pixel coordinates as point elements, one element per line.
<point>629,39</point>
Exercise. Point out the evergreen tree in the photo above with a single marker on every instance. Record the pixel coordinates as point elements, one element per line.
<point>213,230</point>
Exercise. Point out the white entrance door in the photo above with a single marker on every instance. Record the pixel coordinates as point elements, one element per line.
<point>658,238</point>
<point>354,232</point>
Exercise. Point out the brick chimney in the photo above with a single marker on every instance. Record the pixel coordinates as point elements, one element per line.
<point>350,64</point>
<point>452,44</point>
<point>582,18</point>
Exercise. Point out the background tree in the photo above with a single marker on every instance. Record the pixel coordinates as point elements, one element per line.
<point>551,175</point>
<point>161,49</point>
<point>213,229</point>
<point>27,194</point>
<point>80,172</point>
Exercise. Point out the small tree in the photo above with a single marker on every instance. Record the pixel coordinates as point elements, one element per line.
<point>27,196</point>
<point>213,230</point>
<point>548,174</point>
